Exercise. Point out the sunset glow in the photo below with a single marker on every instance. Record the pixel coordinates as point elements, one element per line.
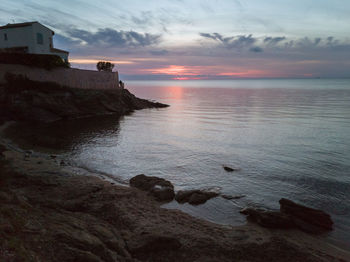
<point>161,40</point>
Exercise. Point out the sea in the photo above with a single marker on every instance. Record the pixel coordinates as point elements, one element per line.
<point>286,138</point>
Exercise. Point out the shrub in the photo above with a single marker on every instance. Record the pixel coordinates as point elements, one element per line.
<point>41,61</point>
<point>104,66</point>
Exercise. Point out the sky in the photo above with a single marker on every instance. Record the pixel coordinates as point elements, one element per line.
<point>197,39</point>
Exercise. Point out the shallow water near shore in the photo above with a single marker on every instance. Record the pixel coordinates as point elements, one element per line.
<point>288,138</point>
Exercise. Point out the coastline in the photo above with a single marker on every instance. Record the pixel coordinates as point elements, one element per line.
<point>47,208</point>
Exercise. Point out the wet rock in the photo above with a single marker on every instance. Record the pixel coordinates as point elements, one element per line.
<point>201,197</point>
<point>269,219</point>
<point>162,193</point>
<point>291,215</point>
<point>194,197</point>
<point>183,196</point>
<point>229,197</point>
<point>160,188</point>
<point>305,214</point>
<point>228,169</point>
<point>146,183</point>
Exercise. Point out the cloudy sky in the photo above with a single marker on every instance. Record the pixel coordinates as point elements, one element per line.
<point>198,39</point>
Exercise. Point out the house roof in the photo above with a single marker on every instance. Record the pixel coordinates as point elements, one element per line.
<point>23,25</point>
<point>56,50</point>
<point>17,25</point>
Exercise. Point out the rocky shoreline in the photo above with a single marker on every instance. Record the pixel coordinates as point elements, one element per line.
<point>50,213</point>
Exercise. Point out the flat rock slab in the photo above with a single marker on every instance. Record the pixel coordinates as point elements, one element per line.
<point>306,214</point>
<point>291,215</point>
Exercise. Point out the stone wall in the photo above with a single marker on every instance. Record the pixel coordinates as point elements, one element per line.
<point>71,77</point>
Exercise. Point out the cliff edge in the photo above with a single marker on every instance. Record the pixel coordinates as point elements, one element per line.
<point>22,99</point>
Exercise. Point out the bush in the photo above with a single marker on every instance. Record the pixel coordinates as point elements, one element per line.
<point>104,66</point>
<point>42,61</point>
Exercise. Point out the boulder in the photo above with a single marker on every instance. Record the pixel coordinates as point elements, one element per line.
<point>228,169</point>
<point>183,196</point>
<point>162,193</point>
<point>194,197</point>
<point>291,215</point>
<point>269,219</point>
<point>146,183</point>
<point>158,187</point>
<point>305,214</point>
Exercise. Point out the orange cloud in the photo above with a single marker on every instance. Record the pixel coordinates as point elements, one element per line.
<point>248,73</point>
<point>176,70</point>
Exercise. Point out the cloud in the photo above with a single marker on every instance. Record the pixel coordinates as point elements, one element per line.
<point>273,40</point>
<point>240,41</point>
<point>256,49</point>
<point>159,52</point>
<point>109,37</point>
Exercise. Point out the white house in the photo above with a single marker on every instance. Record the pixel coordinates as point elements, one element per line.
<point>31,37</point>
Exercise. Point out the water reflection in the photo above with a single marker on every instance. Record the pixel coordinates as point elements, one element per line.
<point>63,136</point>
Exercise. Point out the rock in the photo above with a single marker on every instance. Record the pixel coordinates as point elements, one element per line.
<point>291,215</point>
<point>194,197</point>
<point>162,193</point>
<point>160,188</point>
<point>269,219</point>
<point>149,243</point>
<point>229,169</point>
<point>146,183</point>
<point>308,215</point>
<point>229,197</point>
<point>29,152</point>
<point>183,196</point>
<point>201,197</point>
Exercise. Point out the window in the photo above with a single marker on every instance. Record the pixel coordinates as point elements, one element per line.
<point>5,37</point>
<point>39,38</point>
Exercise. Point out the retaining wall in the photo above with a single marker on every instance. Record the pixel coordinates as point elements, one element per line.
<point>71,77</point>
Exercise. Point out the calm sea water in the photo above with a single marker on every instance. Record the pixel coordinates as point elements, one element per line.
<point>289,138</point>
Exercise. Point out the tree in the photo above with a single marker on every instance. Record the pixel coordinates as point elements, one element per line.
<point>104,66</point>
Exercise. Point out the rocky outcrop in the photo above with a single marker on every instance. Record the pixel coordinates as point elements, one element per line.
<point>269,219</point>
<point>305,215</point>
<point>194,197</point>
<point>25,100</point>
<point>149,245</point>
<point>291,215</point>
<point>49,214</point>
<point>160,188</point>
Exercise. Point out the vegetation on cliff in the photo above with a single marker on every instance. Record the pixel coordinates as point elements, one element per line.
<point>34,60</point>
